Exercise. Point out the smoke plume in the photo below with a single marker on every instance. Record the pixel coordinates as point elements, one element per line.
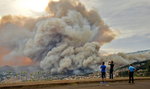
<point>68,39</point>
<point>121,59</point>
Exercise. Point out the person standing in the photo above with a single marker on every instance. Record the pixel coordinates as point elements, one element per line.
<point>111,63</point>
<point>103,71</point>
<point>131,73</point>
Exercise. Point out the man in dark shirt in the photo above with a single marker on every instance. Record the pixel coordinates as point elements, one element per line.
<point>111,63</point>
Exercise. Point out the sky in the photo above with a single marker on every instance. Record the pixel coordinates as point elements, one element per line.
<point>130,18</point>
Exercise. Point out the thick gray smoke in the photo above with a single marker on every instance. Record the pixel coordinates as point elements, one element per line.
<point>14,30</point>
<point>121,59</point>
<point>70,39</point>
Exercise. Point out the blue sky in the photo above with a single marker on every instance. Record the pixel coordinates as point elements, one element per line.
<point>129,17</point>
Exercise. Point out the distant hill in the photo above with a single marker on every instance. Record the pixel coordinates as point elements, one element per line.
<point>19,68</point>
<point>142,69</point>
<point>139,52</point>
<point>6,69</point>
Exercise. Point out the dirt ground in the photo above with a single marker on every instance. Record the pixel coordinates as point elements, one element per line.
<point>142,84</point>
<point>117,83</point>
<point>139,84</point>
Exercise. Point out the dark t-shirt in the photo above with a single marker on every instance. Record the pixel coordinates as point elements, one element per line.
<point>111,67</point>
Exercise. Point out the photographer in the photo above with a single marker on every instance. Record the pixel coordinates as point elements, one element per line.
<point>111,63</point>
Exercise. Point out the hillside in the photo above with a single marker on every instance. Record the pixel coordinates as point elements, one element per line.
<point>142,69</point>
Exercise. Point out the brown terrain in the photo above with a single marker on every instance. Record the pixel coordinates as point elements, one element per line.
<point>118,83</point>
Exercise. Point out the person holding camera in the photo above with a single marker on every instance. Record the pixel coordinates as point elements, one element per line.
<point>111,63</point>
